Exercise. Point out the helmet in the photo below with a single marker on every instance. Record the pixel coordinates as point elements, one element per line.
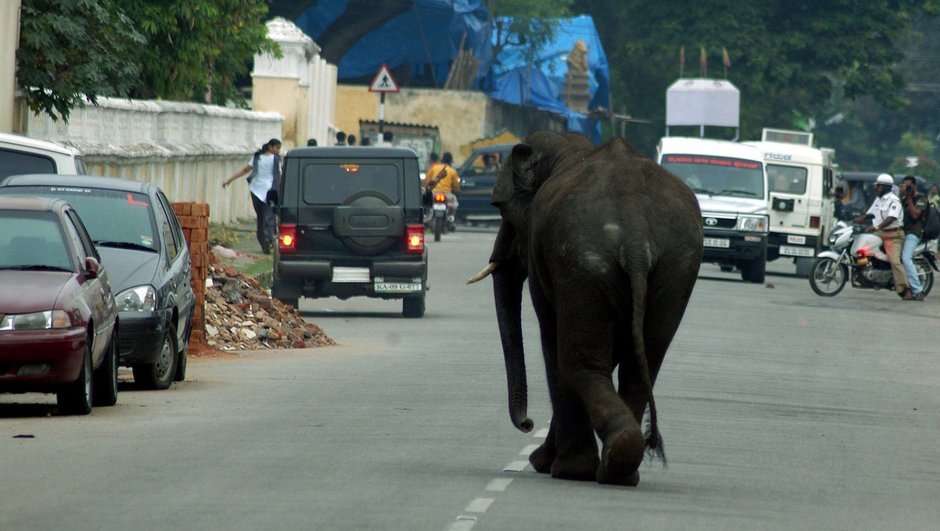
<point>885,178</point>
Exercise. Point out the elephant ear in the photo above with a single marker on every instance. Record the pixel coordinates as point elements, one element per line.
<point>513,174</point>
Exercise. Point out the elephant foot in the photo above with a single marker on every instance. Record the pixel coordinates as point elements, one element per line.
<point>621,458</point>
<point>542,458</point>
<point>579,468</point>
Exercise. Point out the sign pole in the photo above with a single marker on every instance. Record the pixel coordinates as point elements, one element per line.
<point>382,114</point>
<point>383,83</point>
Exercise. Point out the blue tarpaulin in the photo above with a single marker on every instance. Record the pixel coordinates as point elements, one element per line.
<point>540,85</point>
<point>429,35</point>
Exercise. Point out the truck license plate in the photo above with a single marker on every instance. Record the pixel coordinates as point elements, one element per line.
<point>788,250</point>
<point>724,243</point>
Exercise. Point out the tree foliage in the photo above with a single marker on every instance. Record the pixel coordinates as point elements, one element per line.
<point>530,24</point>
<point>196,48</point>
<point>789,59</point>
<point>73,50</point>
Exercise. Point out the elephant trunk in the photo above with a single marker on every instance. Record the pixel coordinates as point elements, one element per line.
<point>507,290</point>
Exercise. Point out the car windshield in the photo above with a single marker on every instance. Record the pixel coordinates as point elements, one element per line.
<point>32,240</point>
<point>718,175</point>
<point>482,162</point>
<point>786,179</point>
<point>332,184</point>
<point>110,216</point>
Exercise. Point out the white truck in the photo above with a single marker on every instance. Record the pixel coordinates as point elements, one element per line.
<point>801,180</point>
<point>730,182</point>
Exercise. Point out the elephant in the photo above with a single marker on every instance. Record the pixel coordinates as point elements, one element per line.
<point>610,243</point>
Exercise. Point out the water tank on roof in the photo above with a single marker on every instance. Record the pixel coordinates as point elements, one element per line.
<point>703,102</point>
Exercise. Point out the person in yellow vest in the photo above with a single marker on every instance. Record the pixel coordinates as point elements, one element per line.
<point>442,177</point>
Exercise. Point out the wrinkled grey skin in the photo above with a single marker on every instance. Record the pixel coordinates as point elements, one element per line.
<point>611,245</point>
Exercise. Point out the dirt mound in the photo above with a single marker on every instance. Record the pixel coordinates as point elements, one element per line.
<point>241,315</point>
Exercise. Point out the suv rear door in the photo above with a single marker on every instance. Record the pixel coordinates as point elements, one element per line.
<point>348,208</point>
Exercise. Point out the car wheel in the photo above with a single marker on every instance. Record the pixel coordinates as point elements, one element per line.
<point>412,307</point>
<point>184,354</point>
<point>293,303</point>
<point>75,398</point>
<point>106,376</point>
<point>159,375</point>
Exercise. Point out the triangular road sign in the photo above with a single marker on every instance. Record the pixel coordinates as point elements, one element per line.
<point>383,82</point>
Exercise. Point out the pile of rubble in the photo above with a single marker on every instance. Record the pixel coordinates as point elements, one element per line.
<point>241,315</point>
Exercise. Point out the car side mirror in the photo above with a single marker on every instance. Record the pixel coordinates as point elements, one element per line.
<point>92,266</point>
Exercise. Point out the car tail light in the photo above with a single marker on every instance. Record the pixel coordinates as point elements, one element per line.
<point>414,238</point>
<point>440,197</point>
<point>287,239</point>
<point>814,222</point>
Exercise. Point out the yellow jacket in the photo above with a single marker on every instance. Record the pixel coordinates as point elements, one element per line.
<point>449,183</point>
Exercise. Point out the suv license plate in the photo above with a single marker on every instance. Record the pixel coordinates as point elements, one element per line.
<point>397,287</point>
<point>717,242</point>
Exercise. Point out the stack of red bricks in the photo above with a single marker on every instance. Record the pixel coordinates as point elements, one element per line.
<point>194,218</point>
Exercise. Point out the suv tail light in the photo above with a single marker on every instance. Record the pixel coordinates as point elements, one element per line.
<point>287,239</point>
<point>814,222</point>
<point>414,239</point>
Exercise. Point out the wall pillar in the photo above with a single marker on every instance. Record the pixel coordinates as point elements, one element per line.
<point>299,86</point>
<point>9,41</point>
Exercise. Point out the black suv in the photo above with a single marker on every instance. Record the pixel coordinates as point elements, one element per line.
<point>350,224</point>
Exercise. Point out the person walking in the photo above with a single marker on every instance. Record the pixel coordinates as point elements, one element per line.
<point>915,208</point>
<point>264,172</point>
<point>887,216</point>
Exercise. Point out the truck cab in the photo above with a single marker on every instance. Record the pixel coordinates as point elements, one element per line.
<point>801,179</point>
<point>730,182</point>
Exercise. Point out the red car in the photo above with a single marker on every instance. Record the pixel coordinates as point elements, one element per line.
<point>58,317</point>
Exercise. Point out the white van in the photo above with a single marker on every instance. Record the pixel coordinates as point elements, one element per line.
<point>729,180</point>
<point>801,180</point>
<point>20,154</point>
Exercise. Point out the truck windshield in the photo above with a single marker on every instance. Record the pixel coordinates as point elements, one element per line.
<point>718,175</point>
<point>786,179</point>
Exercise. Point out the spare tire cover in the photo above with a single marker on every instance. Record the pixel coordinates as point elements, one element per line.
<point>368,222</point>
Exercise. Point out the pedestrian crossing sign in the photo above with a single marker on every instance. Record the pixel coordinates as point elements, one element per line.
<point>383,82</point>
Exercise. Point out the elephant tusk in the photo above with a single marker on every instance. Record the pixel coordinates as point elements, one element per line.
<point>485,272</point>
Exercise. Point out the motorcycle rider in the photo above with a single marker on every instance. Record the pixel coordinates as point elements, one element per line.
<point>915,205</point>
<point>442,177</point>
<point>887,216</point>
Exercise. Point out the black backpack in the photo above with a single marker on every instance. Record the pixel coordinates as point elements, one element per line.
<point>931,223</point>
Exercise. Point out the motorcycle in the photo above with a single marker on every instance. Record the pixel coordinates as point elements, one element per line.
<point>858,257</point>
<point>439,214</point>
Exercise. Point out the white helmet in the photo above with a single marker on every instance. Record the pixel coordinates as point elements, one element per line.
<point>885,178</point>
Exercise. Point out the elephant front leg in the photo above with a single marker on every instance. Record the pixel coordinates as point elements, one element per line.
<point>543,457</point>
<point>569,450</point>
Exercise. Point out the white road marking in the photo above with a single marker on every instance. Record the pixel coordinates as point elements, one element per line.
<point>479,505</point>
<point>516,466</point>
<point>463,523</point>
<point>498,484</point>
<point>529,449</point>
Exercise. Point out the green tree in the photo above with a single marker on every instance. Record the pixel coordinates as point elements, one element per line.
<point>530,24</point>
<point>73,50</point>
<point>788,58</point>
<point>197,48</point>
<point>915,155</point>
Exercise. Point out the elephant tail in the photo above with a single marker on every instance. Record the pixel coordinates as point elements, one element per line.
<point>653,439</point>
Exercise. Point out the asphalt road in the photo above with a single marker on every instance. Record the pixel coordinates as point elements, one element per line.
<point>780,410</point>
